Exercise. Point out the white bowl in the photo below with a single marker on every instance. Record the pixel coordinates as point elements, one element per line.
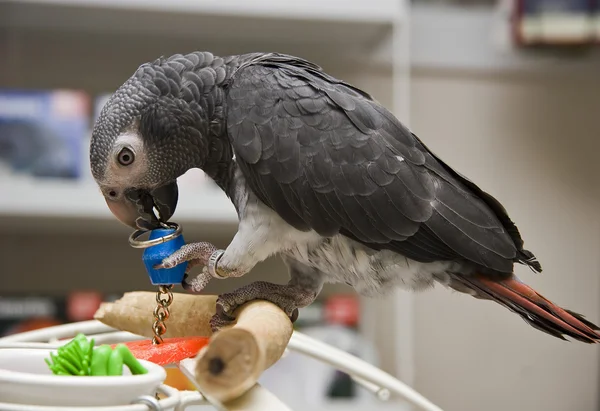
<point>26,379</point>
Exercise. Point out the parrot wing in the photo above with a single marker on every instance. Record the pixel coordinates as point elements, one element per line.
<point>325,156</point>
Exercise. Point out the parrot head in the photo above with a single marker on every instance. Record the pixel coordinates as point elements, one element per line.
<point>145,137</point>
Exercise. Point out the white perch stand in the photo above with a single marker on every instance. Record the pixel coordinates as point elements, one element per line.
<point>265,331</point>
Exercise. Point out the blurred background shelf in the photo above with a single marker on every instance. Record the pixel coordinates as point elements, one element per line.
<point>80,206</point>
<point>325,10</point>
<point>349,29</point>
<point>478,39</point>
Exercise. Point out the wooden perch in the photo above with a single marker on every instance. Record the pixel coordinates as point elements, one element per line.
<point>189,314</point>
<point>234,358</point>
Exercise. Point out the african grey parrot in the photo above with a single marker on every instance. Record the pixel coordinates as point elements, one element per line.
<point>320,174</point>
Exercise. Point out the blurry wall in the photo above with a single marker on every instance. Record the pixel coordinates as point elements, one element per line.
<point>531,141</point>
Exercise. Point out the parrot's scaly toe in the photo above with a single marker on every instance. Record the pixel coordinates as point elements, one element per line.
<point>193,253</point>
<point>288,298</point>
<point>197,284</point>
<point>220,319</point>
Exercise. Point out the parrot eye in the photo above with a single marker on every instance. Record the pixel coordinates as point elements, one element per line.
<point>126,157</point>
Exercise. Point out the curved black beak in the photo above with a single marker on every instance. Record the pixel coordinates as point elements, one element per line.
<point>138,208</point>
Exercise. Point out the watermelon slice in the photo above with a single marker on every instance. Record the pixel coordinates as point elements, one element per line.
<point>170,351</point>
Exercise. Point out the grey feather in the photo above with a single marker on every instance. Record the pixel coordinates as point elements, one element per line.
<point>349,166</point>
<point>321,174</point>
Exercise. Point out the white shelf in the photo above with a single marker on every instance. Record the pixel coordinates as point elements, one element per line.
<point>326,10</point>
<point>477,38</point>
<point>79,201</point>
<point>334,28</point>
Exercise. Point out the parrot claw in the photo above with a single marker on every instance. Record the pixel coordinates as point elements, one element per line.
<point>288,298</point>
<point>164,264</point>
<point>196,284</point>
<point>220,319</point>
<point>193,253</point>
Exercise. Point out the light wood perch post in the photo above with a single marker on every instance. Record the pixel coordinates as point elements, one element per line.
<point>234,358</point>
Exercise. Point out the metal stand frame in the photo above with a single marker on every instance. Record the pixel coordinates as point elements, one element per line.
<point>375,380</point>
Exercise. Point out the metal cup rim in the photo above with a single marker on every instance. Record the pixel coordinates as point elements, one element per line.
<point>135,243</point>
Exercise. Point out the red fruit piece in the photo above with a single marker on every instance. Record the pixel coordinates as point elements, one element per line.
<point>170,351</point>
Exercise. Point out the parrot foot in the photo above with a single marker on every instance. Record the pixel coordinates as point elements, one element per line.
<point>287,297</point>
<point>193,253</point>
<point>205,254</point>
<point>198,283</point>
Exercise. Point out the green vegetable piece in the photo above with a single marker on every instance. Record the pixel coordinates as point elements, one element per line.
<point>82,349</point>
<point>90,350</point>
<point>57,368</point>
<point>115,363</point>
<point>79,352</point>
<point>54,367</point>
<point>87,347</point>
<point>80,357</point>
<point>130,361</point>
<point>84,344</point>
<point>73,358</point>
<point>100,357</point>
<point>67,366</point>
<point>70,358</point>
<point>80,342</point>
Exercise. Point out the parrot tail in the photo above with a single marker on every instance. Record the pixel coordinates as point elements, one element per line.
<point>535,309</point>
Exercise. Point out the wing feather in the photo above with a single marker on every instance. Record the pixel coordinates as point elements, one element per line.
<point>326,157</point>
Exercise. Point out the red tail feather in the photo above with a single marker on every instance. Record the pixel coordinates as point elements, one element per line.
<point>538,311</point>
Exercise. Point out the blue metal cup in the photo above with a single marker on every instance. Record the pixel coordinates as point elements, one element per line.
<point>154,255</point>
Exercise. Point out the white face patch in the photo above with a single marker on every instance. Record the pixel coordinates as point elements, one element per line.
<point>119,176</point>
